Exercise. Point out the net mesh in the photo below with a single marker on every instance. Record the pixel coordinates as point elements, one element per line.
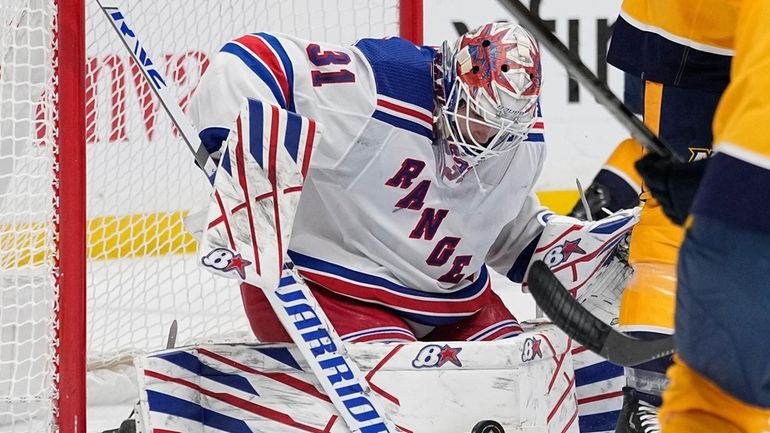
<point>27,249</point>
<point>141,182</point>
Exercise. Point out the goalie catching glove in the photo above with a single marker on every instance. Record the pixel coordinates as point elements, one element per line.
<point>586,257</point>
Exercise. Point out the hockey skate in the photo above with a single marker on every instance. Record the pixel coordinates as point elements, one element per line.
<point>637,416</point>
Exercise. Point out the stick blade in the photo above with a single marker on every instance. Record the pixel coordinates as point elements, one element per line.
<point>627,351</point>
<point>585,328</point>
<point>563,310</point>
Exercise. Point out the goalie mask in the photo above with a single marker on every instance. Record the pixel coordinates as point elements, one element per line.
<point>490,83</point>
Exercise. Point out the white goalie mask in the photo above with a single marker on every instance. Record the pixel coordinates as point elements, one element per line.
<point>491,82</point>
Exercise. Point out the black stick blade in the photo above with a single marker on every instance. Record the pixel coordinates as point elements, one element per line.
<point>563,310</point>
<point>585,328</point>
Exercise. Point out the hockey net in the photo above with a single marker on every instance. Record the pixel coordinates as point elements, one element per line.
<point>141,270</point>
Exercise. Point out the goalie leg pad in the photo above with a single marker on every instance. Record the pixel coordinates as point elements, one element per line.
<point>598,388</point>
<point>524,383</point>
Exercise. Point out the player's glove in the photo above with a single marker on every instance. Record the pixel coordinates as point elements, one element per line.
<point>575,250</point>
<point>672,183</point>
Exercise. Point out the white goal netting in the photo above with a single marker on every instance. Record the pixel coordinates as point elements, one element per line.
<point>141,182</point>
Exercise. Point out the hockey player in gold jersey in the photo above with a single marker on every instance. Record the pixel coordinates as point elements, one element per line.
<point>681,50</point>
<point>720,382</point>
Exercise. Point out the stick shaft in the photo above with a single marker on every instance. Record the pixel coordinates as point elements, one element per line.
<point>587,78</point>
<point>329,348</point>
<point>158,84</point>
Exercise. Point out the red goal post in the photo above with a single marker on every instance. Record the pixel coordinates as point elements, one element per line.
<point>94,258</point>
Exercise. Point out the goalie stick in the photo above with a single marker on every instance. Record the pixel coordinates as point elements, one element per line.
<point>158,84</point>
<point>580,71</point>
<point>578,323</point>
<point>340,377</point>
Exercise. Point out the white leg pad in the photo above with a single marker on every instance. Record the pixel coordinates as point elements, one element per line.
<point>525,383</point>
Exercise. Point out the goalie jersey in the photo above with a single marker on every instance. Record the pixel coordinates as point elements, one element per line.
<point>378,219</point>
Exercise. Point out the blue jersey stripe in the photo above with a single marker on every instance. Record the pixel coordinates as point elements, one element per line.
<point>256,131</point>
<point>598,372</point>
<point>167,404</point>
<point>287,66</point>
<point>735,192</point>
<point>401,123</point>
<point>412,80</point>
<point>535,137</point>
<point>598,422</point>
<point>293,131</point>
<point>655,58</point>
<point>519,268</point>
<point>192,363</point>
<point>258,68</point>
<point>360,277</point>
<point>430,320</point>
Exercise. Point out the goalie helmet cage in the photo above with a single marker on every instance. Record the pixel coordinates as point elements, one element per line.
<point>95,262</point>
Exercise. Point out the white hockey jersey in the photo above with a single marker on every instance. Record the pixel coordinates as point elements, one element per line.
<point>377,220</point>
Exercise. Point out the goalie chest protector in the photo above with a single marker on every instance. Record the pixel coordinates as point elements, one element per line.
<point>375,212</point>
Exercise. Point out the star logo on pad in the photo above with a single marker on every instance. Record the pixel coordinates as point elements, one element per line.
<point>531,349</point>
<point>449,354</point>
<point>571,247</point>
<point>239,264</point>
<point>536,351</point>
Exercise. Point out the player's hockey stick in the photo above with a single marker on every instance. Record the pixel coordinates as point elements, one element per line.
<point>580,71</point>
<point>577,322</point>
<point>158,84</point>
<point>292,301</point>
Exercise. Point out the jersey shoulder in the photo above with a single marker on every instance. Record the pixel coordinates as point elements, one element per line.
<point>294,68</point>
<point>403,79</point>
<point>402,70</point>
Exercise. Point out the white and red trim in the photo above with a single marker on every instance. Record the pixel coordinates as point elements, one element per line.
<point>405,111</point>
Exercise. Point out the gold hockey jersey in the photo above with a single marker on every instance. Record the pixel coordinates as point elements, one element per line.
<point>683,43</point>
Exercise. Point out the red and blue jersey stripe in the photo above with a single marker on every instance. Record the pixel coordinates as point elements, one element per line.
<point>264,55</point>
<point>404,115</point>
<point>404,93</point>
<point>429,308</point>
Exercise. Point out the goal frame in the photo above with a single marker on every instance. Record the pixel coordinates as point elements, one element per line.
<point>70,195</point>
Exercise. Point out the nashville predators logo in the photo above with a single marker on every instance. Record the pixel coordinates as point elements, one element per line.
<point>699,153</point>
